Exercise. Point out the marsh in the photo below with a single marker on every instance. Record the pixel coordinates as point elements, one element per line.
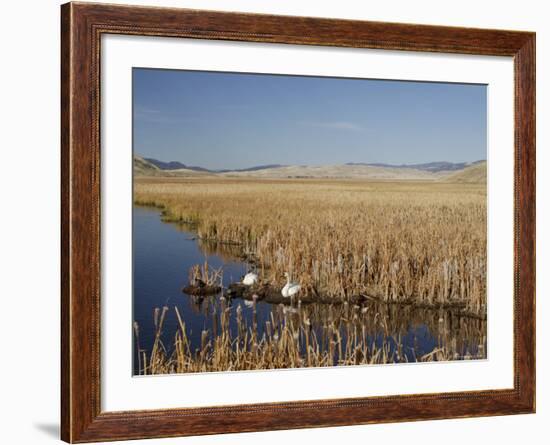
<point>391,326</point>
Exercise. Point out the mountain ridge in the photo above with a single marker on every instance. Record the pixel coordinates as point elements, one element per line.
<point>174,165</point>
<point>433,171</point>
<point>434,166</point>
<point>473,174</point>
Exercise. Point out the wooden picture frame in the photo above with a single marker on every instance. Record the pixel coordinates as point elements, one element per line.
<point>82,26</point>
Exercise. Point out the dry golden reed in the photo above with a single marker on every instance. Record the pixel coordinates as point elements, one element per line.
<point>348,335</point>
<point>397,241</point>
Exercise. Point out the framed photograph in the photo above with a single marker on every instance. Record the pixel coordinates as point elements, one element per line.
<point>274,222</point>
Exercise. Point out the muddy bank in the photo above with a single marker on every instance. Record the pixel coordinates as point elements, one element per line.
<point>272,295</point>
<point>201,290</point>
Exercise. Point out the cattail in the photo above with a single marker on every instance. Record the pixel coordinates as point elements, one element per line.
<point>413,243</point>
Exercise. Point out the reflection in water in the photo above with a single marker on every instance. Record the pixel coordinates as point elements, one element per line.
<point>417,331</point>
<point>164,253</point>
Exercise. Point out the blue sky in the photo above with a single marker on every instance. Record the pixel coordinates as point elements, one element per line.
<point>232,120</point>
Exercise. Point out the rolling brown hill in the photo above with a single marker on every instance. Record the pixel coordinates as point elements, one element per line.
<point>145,168</point>
<point>142,167</point>
<point>337,172</point>
<point>475,174</point>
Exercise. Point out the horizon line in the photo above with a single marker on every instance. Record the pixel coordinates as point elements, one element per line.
<point>374,163</point>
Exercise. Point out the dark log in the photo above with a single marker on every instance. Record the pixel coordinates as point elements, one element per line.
<point>272,295</point>
<point>201,290</point>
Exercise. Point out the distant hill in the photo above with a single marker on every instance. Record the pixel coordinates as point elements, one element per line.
<point>174,165</point>
<point>252,169</point>
<point>476,173</point>
<point>143,167</point>
<point>435,167</point>
<point>336,171</point>
<point>431,171</point>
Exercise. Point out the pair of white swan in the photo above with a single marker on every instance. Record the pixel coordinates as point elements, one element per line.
<point>287,291</point>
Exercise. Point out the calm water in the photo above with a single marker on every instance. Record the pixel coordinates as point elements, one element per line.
<point>163,255</point>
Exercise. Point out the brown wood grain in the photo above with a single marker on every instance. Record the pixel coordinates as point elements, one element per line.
<point>82,25</point>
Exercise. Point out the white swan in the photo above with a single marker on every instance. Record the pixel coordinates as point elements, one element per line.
<point>250,278</point>
<point>290,289</point>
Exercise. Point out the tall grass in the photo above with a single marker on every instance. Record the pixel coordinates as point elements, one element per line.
<point>299,337</point>
<point>419,242</point>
